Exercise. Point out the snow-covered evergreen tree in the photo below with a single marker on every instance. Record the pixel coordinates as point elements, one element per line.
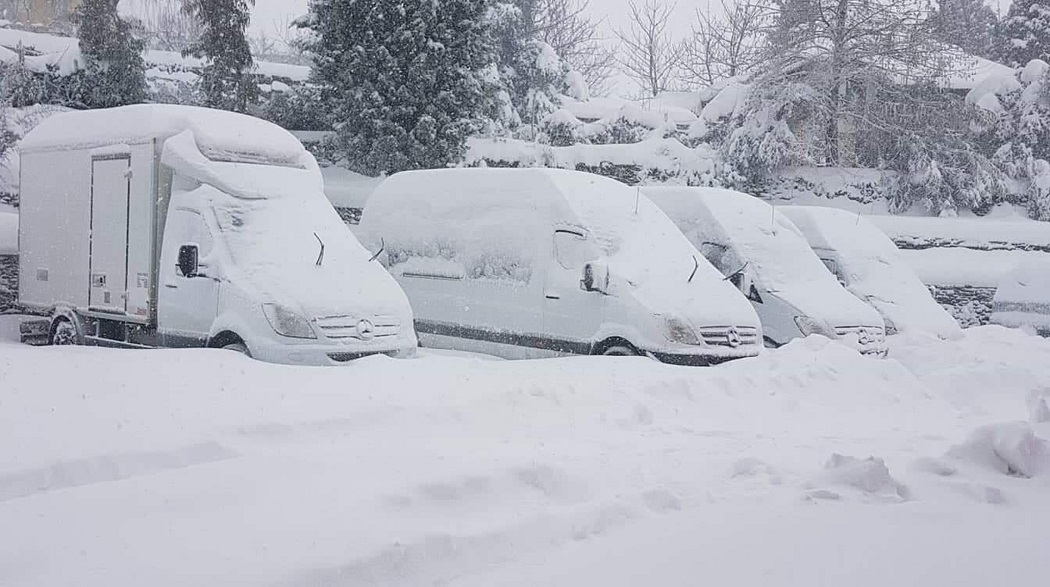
<point>403,80</point>
<point>225,80</point>
<point>1026,32</point>
<point>1018,133</point>
<point>114,72</point>
<point>531,76</point>
<point>967,24</point>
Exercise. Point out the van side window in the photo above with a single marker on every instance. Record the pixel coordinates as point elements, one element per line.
<point>198,231</point>
<point>570,250</point>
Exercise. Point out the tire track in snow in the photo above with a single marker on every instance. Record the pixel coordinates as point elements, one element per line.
<point>104,468</point>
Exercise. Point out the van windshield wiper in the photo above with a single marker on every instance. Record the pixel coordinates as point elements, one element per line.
<point>696,265</point>
<point>382,247</point>
<point>320,256</point>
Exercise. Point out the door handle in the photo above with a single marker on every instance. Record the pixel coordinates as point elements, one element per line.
<point>550,295</point>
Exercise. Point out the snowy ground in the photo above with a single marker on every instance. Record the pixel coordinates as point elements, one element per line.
<point>205,468</point>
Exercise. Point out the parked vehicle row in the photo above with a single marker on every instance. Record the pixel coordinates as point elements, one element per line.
<point>185,227</point>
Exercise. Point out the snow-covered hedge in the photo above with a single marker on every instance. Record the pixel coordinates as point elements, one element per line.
<point>653,161</point>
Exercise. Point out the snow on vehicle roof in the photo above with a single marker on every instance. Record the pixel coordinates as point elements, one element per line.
<point>773,247</point>
<point>220,135</point>
<point>427,211</point>
<point>869,263</point>
<point>1023,296</point>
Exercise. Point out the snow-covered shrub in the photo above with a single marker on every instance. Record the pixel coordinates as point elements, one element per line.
<point>943,174</point>
<point>561,129</point>
<point>1017,132</point>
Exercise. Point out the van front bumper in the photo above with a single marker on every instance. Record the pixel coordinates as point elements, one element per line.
<point>323,355</point>
<point>704,359</point>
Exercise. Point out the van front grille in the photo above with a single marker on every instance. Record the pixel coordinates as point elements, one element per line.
<point>361,328</point>
<point>864,334</point>
<point>730,336</point>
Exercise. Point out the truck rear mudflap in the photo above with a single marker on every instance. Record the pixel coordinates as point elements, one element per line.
<point>35,331</point>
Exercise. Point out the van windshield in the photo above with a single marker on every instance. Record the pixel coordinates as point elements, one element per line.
<point>280,233</point>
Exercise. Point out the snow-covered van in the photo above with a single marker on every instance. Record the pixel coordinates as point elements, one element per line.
<point>174,226</point>
<point>761,252</point>
<point>526,263</point>
<point>868,264</point>
<point>1022,299</point>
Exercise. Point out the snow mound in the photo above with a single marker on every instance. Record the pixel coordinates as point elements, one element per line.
<point>870,476</point>
<point>1010,448</point>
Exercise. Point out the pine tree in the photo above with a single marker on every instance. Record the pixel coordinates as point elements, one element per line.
<point>531,74</point>
<point>403,80</point>
<point>226,79</point>
<point>114,72</point>
<point>1026,32</point>
<point>967,24</point>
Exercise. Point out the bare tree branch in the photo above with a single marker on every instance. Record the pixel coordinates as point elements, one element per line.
<point>649,55</point>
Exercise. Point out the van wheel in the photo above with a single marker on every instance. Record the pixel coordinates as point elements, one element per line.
<point>238,347</point>
<point>64,333</point>
<point>620,350</point>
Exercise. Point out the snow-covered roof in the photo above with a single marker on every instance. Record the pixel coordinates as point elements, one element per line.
<point>873,270</point>
<point>219,134</point>
<point>651,112</point>
<point>513,213</point>
<point>45,50</point>
<point>1023,296</point>
<point>347,189</point>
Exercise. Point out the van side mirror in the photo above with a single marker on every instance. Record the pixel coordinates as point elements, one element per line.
<point>595,277</point>
<point>188,262</point>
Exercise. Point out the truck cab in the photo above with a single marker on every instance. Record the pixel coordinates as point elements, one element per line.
<point>186,227</point>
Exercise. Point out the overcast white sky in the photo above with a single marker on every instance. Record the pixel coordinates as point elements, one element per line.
<point>270,13</point>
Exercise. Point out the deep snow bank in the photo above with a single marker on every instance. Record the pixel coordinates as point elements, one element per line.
<point>202,467</point>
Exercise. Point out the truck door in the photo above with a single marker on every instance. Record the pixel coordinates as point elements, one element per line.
<point>572,315</point>
<point>187,304</point>
<point>110,199</point>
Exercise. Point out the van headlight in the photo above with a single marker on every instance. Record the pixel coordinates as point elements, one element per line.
<point>679,331</point>
<point>286,322</point>
<point>808,326</point>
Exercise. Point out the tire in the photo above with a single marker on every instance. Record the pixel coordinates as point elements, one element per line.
<point>621,350</point>
<point>238,347</point>
<point>63,333</point>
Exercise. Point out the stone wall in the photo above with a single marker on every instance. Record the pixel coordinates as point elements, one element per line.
<point>8,281</point>
<point>970,306</point>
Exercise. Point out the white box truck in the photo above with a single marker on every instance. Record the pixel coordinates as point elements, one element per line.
<point>174,226</point>
<point>764,254</point>
<point>525,263</point>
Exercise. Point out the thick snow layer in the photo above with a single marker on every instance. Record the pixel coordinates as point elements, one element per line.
<point>1023,296</point>
<point>961,266</point>
<point>645,253</point>
<point>203,467</point>
<point>220,135</point>
<point>872,269</point>
<point>8,230</point>
<point>775,250</point>
<point>974,233</point>
<point>665,155</point>
<point>347,189</point>
<point>653,113</point>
